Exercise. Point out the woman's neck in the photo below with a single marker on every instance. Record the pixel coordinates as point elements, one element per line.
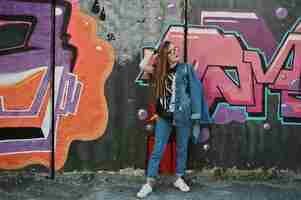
<point>173,65</point>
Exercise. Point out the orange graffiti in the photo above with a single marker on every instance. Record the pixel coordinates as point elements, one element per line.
<point>94,63</point>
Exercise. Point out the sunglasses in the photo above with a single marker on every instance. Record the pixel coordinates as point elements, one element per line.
<point>172,51</point>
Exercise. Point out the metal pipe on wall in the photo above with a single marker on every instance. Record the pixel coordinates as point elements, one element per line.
<point>52,85</point>
<point>185,30</point>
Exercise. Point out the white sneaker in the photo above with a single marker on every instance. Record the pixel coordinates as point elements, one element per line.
<point>181,185</point>
<point>144,191</point>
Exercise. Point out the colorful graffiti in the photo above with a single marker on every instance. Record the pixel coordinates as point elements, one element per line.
<point>239,69</point>
<point>83,62</point>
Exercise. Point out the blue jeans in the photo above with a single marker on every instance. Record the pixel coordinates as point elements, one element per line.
<point>162,132</point>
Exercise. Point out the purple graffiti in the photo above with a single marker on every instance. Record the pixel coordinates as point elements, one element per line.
<point>226,115</point>
<point>35,53</point>
<point>69,94</point>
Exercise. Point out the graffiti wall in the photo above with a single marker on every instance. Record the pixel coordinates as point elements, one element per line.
<point>246,53</point>
<point>237,81</point>
<point>25,93</point>
<point>251,80</point>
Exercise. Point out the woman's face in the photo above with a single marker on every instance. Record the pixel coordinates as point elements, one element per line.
<point>172,55</point>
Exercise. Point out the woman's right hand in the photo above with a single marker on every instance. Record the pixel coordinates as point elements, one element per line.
<point>148,61</point>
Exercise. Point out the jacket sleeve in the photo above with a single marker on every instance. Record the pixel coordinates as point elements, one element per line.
<point>198,102</point>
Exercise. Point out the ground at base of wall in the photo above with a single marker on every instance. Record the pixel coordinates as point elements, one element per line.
<point>125,184</point>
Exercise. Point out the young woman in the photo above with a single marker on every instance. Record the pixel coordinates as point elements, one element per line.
<point>179,102</point>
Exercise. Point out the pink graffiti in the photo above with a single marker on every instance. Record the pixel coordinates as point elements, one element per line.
<point>279,79</point>
<point>214,52</point>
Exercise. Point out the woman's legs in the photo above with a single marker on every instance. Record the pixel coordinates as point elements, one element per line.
<point>162,132</point>
<point>182,138</point>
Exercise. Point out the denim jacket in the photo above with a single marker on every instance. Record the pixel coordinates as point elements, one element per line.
<point>190,103</point>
